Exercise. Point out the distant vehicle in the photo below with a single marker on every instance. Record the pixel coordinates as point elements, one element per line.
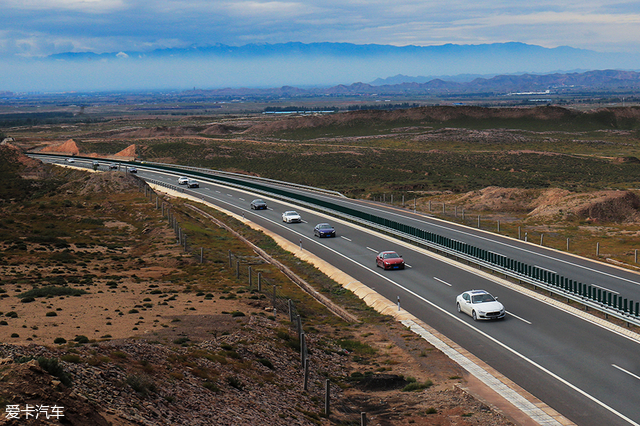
<point>258,204</point>
<point>70,160</point>
<point>389,260</point>
<point>183,180</point>
<point>113,166</point>
<point>133,170</point>
<point>192,183</point>
<point>479,304</point>
<point>291,216</point>
<point>95,164</point>
<point>324,230</point>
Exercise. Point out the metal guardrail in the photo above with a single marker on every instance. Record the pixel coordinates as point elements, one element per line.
<point>249,177</point>
<point>599,299</point>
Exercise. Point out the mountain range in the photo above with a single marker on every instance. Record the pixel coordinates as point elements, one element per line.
<point>524,84</point>
<point>316,65</point>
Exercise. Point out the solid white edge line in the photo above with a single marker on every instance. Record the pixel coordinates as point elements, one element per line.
<point>625,371</point>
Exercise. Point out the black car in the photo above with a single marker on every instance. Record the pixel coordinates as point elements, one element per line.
<point>258,205</point>
<point>133,170</point>
<point>324,230</point>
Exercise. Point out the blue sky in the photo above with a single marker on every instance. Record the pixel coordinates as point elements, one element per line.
<point>37,28</point>
<point>42,27</point>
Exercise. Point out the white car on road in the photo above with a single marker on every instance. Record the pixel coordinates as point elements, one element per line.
<point>480,305</point>
<point>291,217</point>
<point>182,180</point>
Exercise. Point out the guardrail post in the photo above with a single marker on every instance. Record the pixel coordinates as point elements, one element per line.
<point>201,254</point>
<point>498,227</point>
<point>597,249</point>
<point>259,282</point>
<point>478,221</point>
<point>567,244</point>
<point>237,269</point>
<point>230,259</point>
<point>249,276</point>
<point>541,238</point>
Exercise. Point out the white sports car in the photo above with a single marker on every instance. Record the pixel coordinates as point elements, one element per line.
<point>479,304</point>
<point>291,216</point>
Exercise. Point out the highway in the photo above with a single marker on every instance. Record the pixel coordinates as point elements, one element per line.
<point>588,373</point>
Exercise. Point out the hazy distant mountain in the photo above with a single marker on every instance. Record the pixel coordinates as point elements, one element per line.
<point>304,65</point>
<point>520,54</point>
<point>609,80</point>
<point>400,78</point>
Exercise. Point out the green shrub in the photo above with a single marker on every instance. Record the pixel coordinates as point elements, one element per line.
<point>81,339</point>
<point>51,366</point>
<point>52,291</point>
<point>51,314</point>
<point>233,381</point>
<point>71,358</point>
<point>356,347</point>
<point>211,386</point>
<point>60,341</point>
<point>417,386</point>
<point>143,385</point>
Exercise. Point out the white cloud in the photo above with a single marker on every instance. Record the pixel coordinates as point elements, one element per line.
<point>89,6</point>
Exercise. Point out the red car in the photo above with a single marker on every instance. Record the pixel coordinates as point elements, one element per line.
<point>389,260</point>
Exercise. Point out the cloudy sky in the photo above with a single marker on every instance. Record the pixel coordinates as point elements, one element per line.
<point>36,28</point>
<point>42,27</point>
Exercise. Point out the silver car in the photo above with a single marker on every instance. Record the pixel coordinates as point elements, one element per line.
<point>480,305</point>
<point>291,216</point>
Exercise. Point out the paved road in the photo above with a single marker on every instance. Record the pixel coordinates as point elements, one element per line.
<point>586,372</point>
